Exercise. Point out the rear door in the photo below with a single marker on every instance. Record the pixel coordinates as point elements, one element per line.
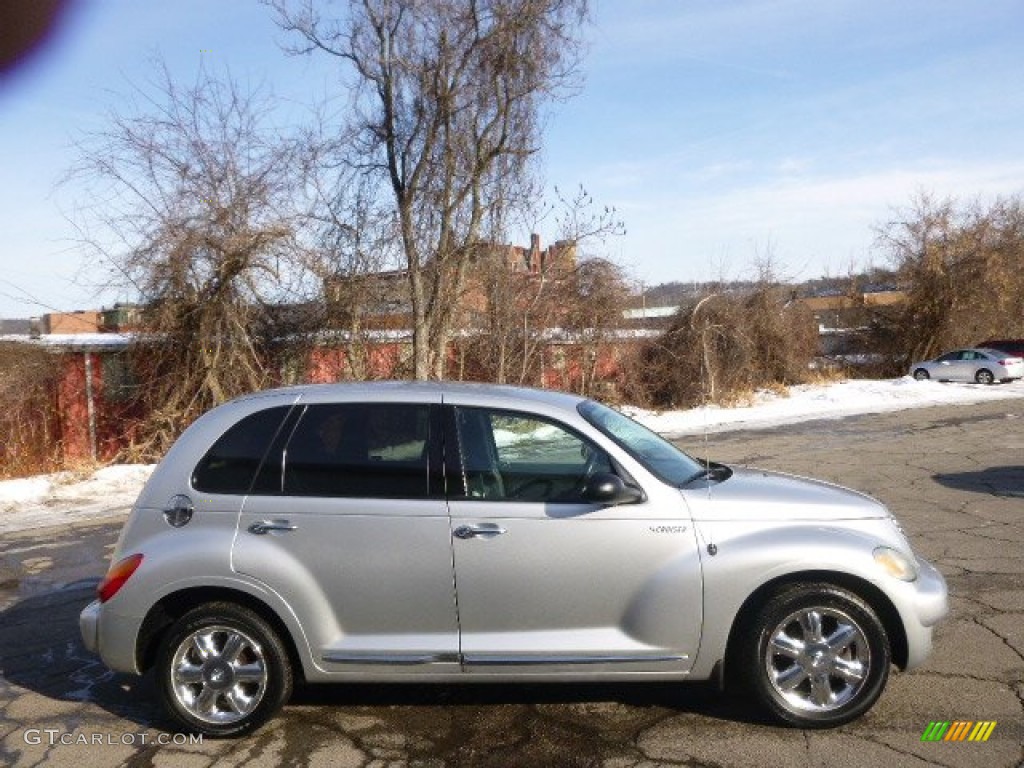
<point>347,522</point>
<point>549,583</point>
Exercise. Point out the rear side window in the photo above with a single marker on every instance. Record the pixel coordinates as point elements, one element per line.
<point>377,450</point>
<point>231,464</point>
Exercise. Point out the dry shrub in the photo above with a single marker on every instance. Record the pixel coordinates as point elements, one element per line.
<point>740,398</point>
<point>959,264</point>
<point>28,418</point>
<point>726,346</point>
<point>76,470</point>
<point>822,376</point>
<point>779,389</point>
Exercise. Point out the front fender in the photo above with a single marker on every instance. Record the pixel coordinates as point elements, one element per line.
<point>745,560</point>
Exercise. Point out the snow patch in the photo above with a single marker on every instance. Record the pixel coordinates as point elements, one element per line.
<point>62,498</point>
<point>830,401</point>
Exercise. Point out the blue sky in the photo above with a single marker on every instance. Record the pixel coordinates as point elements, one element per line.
<point>721,131</point>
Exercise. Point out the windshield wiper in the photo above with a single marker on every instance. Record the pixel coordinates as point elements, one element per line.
<point>711,471</point>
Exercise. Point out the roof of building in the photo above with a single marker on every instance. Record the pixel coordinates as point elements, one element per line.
<point>76,341</point>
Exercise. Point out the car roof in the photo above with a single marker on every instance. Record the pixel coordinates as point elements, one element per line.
<point>449,391</point>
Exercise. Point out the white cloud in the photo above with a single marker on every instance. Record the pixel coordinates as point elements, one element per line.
<point>811,225</point>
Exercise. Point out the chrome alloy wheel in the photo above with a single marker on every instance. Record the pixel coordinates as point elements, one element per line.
<point>817,659</point>
<point>219,674</point>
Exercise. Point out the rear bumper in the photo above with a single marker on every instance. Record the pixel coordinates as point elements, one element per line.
<point>89,625</point>
<point>110,635</point>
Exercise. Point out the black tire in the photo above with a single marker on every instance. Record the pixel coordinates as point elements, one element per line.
<point>921,374</point>
<point>984,376</point>
<point>820,672</point>
<point>222,670</point>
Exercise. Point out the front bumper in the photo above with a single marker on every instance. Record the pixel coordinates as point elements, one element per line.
<point>930,603</point>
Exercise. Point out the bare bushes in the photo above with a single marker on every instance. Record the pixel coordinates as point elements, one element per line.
<point>959,265</point>
<point>724,347</point>
<point>28,417</point>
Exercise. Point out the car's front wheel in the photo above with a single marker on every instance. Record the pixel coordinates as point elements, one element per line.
<point>814,656</point>
<point>921,374</point>
<point>222,670</point>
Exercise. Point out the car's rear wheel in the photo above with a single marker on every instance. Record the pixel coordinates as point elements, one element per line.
<point>814,656</point>
<point>984,376</point>
<point>921,374</point>
<point>222,670</point>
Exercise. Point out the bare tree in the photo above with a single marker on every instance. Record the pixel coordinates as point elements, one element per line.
<point>504,293</point>
<point>592,297</point>
<point>350,249</point>
<point>526,300</point>
<point>513,297</point>
<point>446,123</point>
<point>190,193</point>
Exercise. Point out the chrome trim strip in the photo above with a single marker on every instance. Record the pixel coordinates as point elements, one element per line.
<point>412,659</point>
<point>528,659</point>
<point>402,659</point>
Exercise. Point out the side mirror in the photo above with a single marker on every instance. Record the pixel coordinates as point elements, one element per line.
<point>606,488</point>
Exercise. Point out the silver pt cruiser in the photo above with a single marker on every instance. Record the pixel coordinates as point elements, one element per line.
<point>400,532</point>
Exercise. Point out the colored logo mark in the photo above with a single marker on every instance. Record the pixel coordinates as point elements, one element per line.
<point>959,730</point>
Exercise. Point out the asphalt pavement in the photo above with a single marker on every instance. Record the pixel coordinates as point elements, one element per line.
<point>954,477</point>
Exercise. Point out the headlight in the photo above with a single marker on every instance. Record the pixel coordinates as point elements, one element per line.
<point>895,563</point>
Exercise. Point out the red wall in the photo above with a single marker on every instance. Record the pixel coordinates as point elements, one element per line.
<point>564,367</point>
<point>328,364</point>
<point>112,422</point>
<point>72,405</point>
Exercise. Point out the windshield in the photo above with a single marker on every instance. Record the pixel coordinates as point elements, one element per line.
<point>657,455</point>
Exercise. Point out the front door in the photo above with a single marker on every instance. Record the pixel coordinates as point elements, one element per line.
<point>550,584</point>
<point>956,366</point>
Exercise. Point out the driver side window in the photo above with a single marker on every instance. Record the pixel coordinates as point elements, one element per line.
<point>521,457</point>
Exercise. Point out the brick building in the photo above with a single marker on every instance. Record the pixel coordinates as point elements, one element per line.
<point>93,394</point>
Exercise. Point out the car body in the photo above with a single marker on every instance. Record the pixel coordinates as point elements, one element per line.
<point>981,365</point>
<point>476,533</point>
<point>1014,347</point>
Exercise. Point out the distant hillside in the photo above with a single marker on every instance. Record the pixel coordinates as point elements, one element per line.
<point>675,292</point>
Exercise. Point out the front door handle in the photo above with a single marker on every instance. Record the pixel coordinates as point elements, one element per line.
<point>478,531</point>
<point>266,526</point>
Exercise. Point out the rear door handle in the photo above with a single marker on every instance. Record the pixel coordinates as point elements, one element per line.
<point>479,531</point>
<point>266,526</point>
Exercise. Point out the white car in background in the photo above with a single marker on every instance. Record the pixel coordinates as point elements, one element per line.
<point>984,366</point>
